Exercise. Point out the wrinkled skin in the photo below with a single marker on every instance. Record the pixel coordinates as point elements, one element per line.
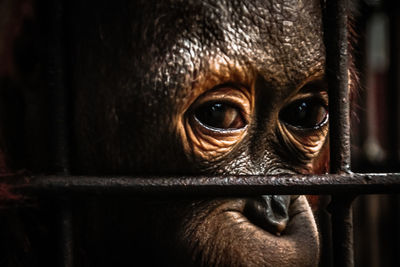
<point>142,76</point>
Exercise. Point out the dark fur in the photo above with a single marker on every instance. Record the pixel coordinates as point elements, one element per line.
<point>119,76</point>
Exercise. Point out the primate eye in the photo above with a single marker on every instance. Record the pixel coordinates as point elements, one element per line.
<point>305,113</point>
<point>216,120</point>
<point>220,115</point>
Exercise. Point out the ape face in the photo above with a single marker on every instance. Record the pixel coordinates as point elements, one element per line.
<point>205,87</point>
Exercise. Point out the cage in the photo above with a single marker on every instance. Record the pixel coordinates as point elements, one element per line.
<point>42,36</point>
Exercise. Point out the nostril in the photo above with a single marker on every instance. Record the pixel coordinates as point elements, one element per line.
<point>269,212</point>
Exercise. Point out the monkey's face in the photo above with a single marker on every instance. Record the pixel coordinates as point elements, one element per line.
<point>224,87</point>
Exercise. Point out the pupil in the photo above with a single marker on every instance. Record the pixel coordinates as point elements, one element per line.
<point>213,115</point>
<point>217,113</point>
<point>302,112</point>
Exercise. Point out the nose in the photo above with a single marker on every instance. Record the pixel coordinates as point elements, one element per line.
<point>270,212</point>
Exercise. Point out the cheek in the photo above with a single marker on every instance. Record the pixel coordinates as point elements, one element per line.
<point>320,164</point>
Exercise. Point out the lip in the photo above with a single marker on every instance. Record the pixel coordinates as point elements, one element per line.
<point>297,210</point>
<point>300,237</point>
<point>224,236</point>
<point>239,207</point>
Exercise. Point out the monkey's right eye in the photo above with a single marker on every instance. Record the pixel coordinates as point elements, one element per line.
<point>216,121</point>
<point>220,115</point>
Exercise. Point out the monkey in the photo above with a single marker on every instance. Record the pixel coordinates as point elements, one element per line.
<point>233,87</point>
<point>197,88</point>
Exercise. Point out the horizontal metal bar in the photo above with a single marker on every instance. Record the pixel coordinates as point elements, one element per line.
<point>356,183</point>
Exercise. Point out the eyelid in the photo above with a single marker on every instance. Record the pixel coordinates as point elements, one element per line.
<point>316,87</point>
<point>318,95</point>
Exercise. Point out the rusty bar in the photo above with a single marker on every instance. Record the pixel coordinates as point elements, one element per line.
<point>57,88</point>
<point>337,75</point>
<point>336,41</point>
<point>394,85</point>
<point>66,242</point>
<point>356,183</point>
<point>65,227</point>
<point>59,128</point>
<point>342,229</point>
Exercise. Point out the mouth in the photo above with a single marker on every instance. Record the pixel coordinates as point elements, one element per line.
<point>266,230</point>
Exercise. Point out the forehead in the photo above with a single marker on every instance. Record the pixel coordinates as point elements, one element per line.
<point>280,40</point>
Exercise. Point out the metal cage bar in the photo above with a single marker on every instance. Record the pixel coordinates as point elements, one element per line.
<point>352,184</point>
<point>59,126</point>
<point>342,184</point>
<point>337,62</point>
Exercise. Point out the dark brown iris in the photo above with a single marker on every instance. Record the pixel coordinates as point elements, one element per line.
<point>305,113</point>
<point>220,115</point>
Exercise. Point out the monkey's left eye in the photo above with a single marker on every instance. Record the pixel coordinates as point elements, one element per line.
<point>308,113</point>
<point>220,115</point>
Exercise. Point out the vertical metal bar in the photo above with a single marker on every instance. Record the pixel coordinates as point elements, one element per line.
<point>66,241</point>
<point>336,41</point>
<point>57,88</point>
<point>394,85</point>
<point>337,74</point>
<point>394,116</point>
<point>342,230</point>
<point>59,106</point>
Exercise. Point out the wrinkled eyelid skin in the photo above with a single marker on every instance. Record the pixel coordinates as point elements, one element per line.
<point>209,143</point>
